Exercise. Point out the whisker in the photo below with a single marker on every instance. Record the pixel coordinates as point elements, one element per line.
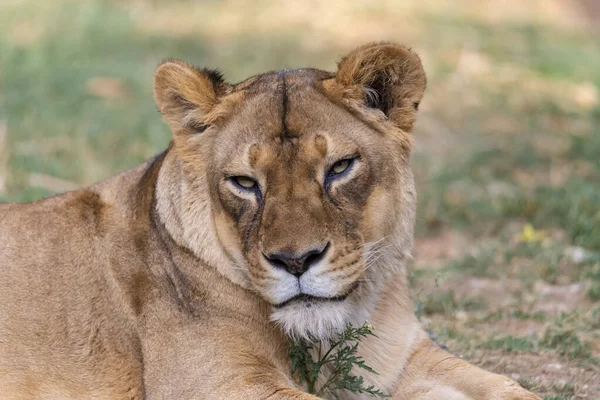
<point>374,255</point>
<point>375,242</point>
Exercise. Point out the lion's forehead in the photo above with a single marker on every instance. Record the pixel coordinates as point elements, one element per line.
<point>285,121</point>
<point>287,154</point>
<point>287,105</point>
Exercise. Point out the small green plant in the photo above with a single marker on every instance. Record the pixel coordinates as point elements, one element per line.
<point>340,358</point>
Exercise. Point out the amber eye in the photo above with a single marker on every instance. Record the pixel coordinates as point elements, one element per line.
<point>244,182</point>
<point>340,167</point>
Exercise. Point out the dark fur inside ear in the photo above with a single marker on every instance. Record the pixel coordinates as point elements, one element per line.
<point>377,94</point>
<point>390,78</point>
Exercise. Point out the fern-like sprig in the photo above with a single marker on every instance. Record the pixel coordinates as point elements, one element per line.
<point>341,358</point>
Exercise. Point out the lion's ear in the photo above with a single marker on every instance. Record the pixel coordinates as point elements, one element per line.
<point>185,95</point>
<point>389,77</point>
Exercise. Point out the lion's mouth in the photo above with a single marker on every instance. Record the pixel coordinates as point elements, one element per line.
<point>307,298</point>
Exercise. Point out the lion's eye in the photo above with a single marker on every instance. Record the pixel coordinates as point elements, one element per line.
<point>340,166</point>
<point>244,182</point>
<point>339,169</point>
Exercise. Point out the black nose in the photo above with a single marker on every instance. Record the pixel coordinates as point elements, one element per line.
<point>297,264</point>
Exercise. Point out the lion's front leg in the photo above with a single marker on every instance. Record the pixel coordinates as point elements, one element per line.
<point>255,379</point>
<point>269,389</point>
<point>434,374</point>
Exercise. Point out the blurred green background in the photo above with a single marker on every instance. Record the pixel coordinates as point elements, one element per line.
<point>507,161</point>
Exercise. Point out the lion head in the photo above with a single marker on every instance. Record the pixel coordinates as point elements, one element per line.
<point>305,176</point>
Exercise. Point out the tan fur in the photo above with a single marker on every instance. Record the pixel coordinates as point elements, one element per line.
<point>167,281</point>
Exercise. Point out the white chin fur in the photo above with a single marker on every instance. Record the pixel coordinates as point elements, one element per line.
<point>312,320</point>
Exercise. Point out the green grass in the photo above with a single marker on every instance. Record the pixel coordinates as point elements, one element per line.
<point>446,302</point>
<point>481,264</point>
<point>511,344</point>
<point>543,49</point>
<point>563,391</point>
<point>84,137</point>
<point>58,128</point>
<point>516,314</point>
<point>549,55</point>
<point>566,343</point>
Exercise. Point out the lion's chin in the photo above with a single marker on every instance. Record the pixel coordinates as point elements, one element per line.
<point>312,320</point>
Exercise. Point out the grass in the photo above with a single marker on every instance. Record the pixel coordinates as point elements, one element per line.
<point>508,137</point>
<point>566,343</point>
<point>446,302</point>
<point>58,125</point>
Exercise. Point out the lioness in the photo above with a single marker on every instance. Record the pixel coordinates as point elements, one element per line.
<point>284,207</point>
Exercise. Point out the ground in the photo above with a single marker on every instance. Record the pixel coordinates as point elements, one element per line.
<point>507,256</point>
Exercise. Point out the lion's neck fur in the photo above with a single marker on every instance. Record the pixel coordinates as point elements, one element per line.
<point>188,220</point>
<point>180,246</point>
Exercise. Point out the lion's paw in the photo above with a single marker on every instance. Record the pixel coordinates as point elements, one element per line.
<point>513,391</point>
